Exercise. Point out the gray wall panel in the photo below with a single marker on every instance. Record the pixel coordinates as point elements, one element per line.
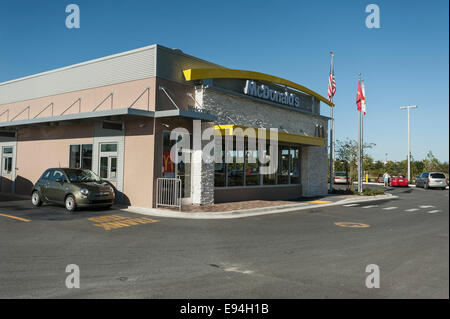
<point>171,64</point>
<point>127,66</point>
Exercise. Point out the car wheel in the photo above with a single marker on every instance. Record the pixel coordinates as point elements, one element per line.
<point>36,199</point>
<point>70,203</point>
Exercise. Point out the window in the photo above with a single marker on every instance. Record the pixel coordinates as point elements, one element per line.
<point>284,164</point>
<point>295,166</point>
<point>57,174</point>
<point>251,166</point>
<point>108,161</point>
<point>219,170</point>
<point>7,160</point>
<point>269,179</point>
<point>238,168</point>
<point>76,176</point>
<point>47,174</point>
<point>80,156</point>
<point>437,175</point>
<point>108,147</point>
<point>235,166</point>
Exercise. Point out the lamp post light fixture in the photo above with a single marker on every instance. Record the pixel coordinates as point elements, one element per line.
<point>409,139</point>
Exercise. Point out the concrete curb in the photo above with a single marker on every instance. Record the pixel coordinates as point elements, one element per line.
<point>251,212</point>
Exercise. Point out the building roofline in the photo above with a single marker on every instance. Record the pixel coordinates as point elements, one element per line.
<point>108,57</point>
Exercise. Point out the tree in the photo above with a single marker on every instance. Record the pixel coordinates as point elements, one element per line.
<point>431,162</point>
<point>347,156</point>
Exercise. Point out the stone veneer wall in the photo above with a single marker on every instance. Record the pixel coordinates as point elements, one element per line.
<point>232,109</point>
<point>202,173</point>
<point>248,112</point>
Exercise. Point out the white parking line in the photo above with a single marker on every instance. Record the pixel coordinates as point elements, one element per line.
<point>390,208</point>
<point>350,205</point>
<point>426,206</point>
<point>411,210</point>
<point>370,206</point>
<point>433,211</point>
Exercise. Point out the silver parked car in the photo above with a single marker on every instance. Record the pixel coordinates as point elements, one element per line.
<point>431,180</point>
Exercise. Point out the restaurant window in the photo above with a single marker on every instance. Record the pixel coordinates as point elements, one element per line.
<point>80,156</point>
<point>269,179</point>
<point>108,161</point>
<point>233,170</point>
<point>219,169</point>
<point>283,166</point>
<point>251,165</point>
<point>235,166</point>
<point>7,160</point>
<point>295,166</point>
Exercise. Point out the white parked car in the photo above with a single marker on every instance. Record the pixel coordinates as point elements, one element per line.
<point>432,180</point>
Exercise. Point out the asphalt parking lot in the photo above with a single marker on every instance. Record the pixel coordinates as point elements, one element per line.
<point>317,253</point>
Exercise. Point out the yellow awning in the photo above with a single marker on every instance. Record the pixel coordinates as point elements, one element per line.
<point>239,130</point>
<point>224,73</point>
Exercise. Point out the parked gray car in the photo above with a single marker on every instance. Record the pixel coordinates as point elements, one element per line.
<point>73,188</point>
<point>431,180</point>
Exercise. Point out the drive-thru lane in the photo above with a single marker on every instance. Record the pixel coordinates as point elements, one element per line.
<point>305,254</point>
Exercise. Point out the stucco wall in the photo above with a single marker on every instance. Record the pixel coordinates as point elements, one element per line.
<point>124,95</point>
<point>39,148</point>
<point>139,157</point>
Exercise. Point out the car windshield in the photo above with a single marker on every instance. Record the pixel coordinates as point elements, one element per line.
<point>437,175</point>
<point>339,174</point>
<point>81,175</point>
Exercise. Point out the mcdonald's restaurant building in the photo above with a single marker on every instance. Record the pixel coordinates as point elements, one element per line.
<point>114,115</point>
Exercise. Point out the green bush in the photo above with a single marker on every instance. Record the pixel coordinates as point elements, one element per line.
<point>344,191</point>
<point>373,192</point>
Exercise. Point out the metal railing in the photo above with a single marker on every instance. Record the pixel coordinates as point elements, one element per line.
<point>168,192</point>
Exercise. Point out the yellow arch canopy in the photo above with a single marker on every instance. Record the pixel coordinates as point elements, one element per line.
<point>223,73</point>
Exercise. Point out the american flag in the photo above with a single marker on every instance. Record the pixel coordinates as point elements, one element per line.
<point>331,85</point>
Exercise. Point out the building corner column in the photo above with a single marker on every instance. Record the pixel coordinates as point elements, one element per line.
<point>202,173</point>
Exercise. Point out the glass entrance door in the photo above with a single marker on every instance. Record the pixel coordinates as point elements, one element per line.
<point>7,169</point>
<point>181,168</point>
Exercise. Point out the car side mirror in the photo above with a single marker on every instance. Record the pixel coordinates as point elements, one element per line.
<point>59,180</point>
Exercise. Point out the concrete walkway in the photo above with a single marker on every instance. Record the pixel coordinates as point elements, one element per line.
<point>331,200</point>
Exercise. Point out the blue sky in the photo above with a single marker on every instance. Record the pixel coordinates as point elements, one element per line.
<point>406,61</point>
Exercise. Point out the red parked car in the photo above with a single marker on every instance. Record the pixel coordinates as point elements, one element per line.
<point>398,181</point>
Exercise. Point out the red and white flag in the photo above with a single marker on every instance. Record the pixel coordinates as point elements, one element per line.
<point>363,104</point>
<point>331,84</point>
<point>360,100</point>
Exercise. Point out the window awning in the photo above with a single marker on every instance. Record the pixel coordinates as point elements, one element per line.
<point>239,130</point>
<point>110,113</point>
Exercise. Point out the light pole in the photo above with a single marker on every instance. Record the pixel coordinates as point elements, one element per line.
<point>409,139</point>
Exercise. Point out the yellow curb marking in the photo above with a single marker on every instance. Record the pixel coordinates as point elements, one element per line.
<point>18,218</point>
<point>117,221</point>
<point>352,225</point>
<point>319,202</point>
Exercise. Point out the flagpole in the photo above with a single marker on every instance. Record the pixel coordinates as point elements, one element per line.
<point>331,135</point>
<point>359,142</point>
<point>362,132</point>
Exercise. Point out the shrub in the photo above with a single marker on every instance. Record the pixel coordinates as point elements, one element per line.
<point>372,192</point>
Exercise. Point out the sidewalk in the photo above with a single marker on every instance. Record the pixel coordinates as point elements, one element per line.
<point>254,208</point>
